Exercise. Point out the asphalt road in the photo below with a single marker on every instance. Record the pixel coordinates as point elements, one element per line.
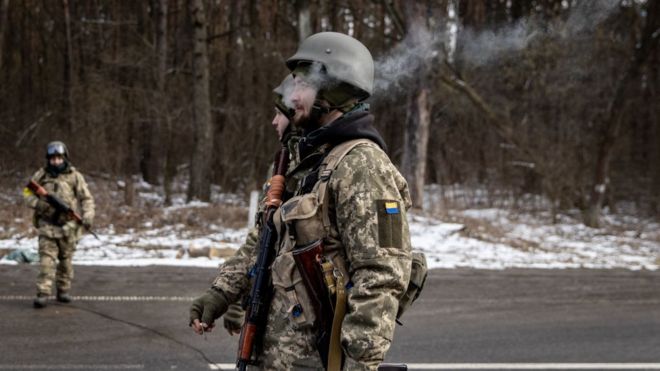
<point>136,318</point>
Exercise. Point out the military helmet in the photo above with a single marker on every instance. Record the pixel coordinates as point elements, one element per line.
<point>57,148</point>
<point>342,57</point>
<point>281,94</point>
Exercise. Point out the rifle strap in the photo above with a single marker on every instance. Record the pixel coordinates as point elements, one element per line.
<point>330,162</point>
<point>335,353</point>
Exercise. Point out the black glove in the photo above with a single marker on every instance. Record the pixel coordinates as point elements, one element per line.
<point>208,307</point>
<point>233,319</point>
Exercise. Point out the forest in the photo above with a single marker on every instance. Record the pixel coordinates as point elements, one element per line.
<point>519,99</point>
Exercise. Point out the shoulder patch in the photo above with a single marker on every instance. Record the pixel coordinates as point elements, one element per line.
<point>390,223</point>
<point>27,192</point>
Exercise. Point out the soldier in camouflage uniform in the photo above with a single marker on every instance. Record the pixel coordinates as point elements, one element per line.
<point>366,203</point>
<point>58,234</point>
<point>235,315</point>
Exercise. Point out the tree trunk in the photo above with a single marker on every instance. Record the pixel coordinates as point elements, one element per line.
<point>304,19</point>
<point>416,138</point>
<point>200,162</point>
<point>129,160</point>
<point>68,70</point>
<point>152,151</point>
<point>4,8</point>
<point>163,122</point>
<point>418,117</point>
<point>452,29</point>
<point>614,119</point>
<point>170,164</point>
<point>655,183</point>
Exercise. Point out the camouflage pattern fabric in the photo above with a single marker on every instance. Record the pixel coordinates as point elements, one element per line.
<point>368,202</point>
<point>377,245</point>
<point>55,255</point>
<point>233,318</point>
<point>57,235</point>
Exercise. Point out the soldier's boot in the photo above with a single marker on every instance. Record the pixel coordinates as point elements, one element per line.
<point>41,300</point>
<point>63,297</point>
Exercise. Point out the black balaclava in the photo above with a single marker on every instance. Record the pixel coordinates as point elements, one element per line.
<point>55,171</point>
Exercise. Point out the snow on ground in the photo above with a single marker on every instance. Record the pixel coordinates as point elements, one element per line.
<point>524,242</point>
<point>484,237</point>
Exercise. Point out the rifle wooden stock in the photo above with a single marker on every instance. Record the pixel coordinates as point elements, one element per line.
<point>259,300</point>
<point>308,260</point>
<point>247,340</point>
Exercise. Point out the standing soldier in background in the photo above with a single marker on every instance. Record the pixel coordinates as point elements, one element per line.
<point>58,233</point>
<point>344,196</point>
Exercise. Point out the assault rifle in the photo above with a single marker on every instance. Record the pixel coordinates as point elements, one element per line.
<point>259,300</point>
<point>59,205</point>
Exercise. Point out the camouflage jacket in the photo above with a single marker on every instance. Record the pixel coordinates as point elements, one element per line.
<point>70,187</point>
<point>375,246</point>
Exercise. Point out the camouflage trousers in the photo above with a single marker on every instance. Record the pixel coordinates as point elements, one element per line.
<point>55,256</point>
<point>287,347</point>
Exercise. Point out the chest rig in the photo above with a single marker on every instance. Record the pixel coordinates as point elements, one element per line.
<point>310,272</point>
<point>307,218</point>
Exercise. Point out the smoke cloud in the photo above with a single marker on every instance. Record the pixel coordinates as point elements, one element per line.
<point>402,62</point>
<point>395,69</point>
<point>423,47</point>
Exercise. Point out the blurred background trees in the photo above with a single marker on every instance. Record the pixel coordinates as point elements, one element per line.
<point>549,98</point>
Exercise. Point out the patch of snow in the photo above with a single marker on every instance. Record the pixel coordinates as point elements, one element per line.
<point>526,241</point>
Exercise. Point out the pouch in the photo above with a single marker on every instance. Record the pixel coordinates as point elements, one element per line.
<point>302,215</point>
<point>289,285</point>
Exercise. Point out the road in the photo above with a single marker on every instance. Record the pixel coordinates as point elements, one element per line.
<point>136,318</point>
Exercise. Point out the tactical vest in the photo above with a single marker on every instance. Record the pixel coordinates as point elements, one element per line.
<point>306,219</point>
<point>53,224</point>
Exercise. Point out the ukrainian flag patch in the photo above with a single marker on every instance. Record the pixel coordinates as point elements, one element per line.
<point>392,207</point>
<point>390,223</point>
<point>27,192</point>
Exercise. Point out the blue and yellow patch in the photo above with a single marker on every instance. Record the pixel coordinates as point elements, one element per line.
<point>392,207</point>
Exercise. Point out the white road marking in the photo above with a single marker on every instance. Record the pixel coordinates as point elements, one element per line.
<point>104,298</point>
<point>222,366</point>
<point>505,366</point>
<point>534,366</point>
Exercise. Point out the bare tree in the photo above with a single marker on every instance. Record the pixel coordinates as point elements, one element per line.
<point>304,19</point>
<point>525,107</point>
<point>68,68</point>
<point>418,115</point>
<point>202,152</point>
<point>4,8</point>
<point>153,161</point>
<point>615,112</point>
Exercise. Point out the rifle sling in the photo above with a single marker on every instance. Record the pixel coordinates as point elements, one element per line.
<point>335,353</point>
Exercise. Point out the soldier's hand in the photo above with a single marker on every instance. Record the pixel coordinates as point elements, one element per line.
<point>233,319</point>
<point>87,222</point>
<point>206,309</point>
<point>43,206</point>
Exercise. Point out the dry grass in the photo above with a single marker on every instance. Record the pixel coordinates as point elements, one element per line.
<point>485,230</point>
